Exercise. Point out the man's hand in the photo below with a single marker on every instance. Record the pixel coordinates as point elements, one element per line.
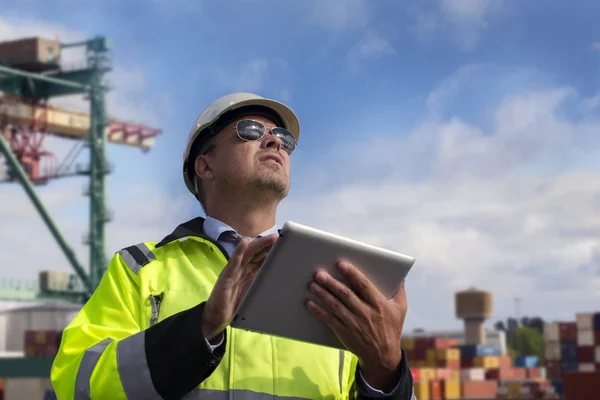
<point>233,283</point>
<point>367,323</point>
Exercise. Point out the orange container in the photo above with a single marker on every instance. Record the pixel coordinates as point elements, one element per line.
<point>435,390</point>
<point>416,374</point>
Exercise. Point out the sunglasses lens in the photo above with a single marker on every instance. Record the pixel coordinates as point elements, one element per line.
<point>287,139</point>
<point>250,130</point>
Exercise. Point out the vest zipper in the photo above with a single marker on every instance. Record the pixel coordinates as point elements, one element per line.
<point>155,301</point>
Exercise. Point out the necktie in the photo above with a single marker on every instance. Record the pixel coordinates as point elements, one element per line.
<point>230,237</point>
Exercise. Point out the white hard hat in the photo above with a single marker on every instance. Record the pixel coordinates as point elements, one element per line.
<point>231,102</point>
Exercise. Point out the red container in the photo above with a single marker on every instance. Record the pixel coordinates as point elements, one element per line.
<point>581,385</point>
<point>480,390</point>
<point>520,373</point>
<point>466,362</point>
<point>452,364</point>
<point>420,353</point>
<point>500,374</point>
<point>424,343</point>
<point>533,373</point>
<point>586,354</point>
<point>597,337</point>
<point>416,374</point>
<point>505,362</point>
<point>553,369</point>
<point>567,331</point>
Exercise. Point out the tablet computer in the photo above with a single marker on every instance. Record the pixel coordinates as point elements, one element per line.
<point>275,303</point>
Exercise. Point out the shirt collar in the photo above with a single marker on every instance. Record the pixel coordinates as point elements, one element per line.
<point>213,228</point>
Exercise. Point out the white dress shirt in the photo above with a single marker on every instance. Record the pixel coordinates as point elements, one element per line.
<point>214,228</point>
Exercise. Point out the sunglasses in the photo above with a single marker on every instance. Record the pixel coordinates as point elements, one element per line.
<point>250,130</point>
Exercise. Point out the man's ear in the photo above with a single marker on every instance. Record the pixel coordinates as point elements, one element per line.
<point>203,168</point>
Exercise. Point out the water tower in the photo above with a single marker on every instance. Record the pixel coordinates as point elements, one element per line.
<point>474,306</point>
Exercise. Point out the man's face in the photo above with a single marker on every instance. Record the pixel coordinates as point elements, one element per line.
<point>261,164</point>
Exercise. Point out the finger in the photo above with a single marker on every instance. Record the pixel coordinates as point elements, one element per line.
<point>238,254</point>
<point>258,248</point>
<point>363,287</point>
<point>327,318</point>
<point>332,304</point>
<point>341,291</point>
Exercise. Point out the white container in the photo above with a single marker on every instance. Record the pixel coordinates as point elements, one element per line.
<point>584,321</point>
<point>551,332</point>
<point>597,354</point>
<point>472,374</point>
<point>585,337</point>
<point>587,367</point>
<point>552,351</point>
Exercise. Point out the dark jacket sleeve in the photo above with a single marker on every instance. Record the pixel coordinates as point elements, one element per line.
<point>403,390</point>
<point>179,359</point>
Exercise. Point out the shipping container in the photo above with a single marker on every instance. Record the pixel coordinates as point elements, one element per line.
<point>567,331</point>
<point>451,390</point>
<point>585,337</point>
<point>480,350</point>
<point>486,362</point>
<point>551,332</point>
<point>500,374</point>
<point>553,369</point>
<point>597,321</point>
<point>568,351</point>
<point>558,386</point>
<point>534,373</point>
<point>552,351</point>
<point>527,361</point>
<point>587,367</point>
<point>568,366</point>
<point>584,321</point>
<point>582,386</point>
<point>597,356</point>
<point>597,337</point>
<point>421,390</point>
<point>480,390</point>
<point>435,390</point>
<point>472,374</point>
<point>586,354</point>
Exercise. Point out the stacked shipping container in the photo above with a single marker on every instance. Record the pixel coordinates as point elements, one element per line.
<point>572,351</point>
<point>443,370</point>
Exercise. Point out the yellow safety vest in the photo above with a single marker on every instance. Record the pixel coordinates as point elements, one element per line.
<point>102,351</point>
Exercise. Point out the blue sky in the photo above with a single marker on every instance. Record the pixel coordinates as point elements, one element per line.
<point>461,132</point>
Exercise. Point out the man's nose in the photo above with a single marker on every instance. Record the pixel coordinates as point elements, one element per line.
<point>271,141</point>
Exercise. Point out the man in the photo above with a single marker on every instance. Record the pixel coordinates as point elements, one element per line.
<point>157,326</point>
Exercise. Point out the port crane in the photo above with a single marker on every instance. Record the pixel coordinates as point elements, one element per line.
<point>30,76</point>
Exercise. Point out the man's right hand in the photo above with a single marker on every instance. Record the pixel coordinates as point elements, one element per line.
<point>233,283</point>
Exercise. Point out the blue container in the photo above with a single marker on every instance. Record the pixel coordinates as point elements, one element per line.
<point>568,366</point>
<point>527,362</point>
<point>480,350</point>
<point>568,351</point>
<point>558,385</point>
<point>597,321</point>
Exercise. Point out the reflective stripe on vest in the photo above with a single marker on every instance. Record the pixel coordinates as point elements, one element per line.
<point>133,368</point>
<point>137,256</point>
<point>238,394</point>
<point>86,367</point>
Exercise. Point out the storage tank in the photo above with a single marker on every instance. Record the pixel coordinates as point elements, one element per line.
<point>14,322</point>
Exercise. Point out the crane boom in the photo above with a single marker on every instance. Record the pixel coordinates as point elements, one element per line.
<point>72,124</point>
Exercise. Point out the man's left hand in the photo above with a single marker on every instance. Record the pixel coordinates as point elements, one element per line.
<point>365,321</point>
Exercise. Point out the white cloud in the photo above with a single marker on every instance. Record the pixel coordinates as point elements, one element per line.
<point>340,15</point>
<point>495,208</point>
<point>460,21</point>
